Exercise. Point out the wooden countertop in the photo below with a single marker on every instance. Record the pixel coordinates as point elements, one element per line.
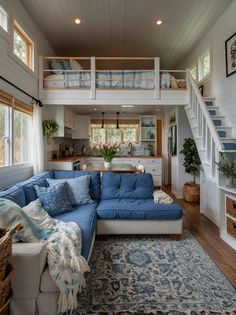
<point>78,157</point>
<point>115,168</point>
<point>66,159</point>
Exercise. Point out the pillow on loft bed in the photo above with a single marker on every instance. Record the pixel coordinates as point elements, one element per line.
<point>66,65</point>
<point>173,83</point>
<point>165,80</point>
<point>56,65</point>
<point>75,65</point>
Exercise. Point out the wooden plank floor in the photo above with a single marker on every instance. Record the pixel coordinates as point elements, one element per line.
<point>207,235</point>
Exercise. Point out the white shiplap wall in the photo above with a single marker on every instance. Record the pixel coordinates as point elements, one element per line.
<point>17,73</point>
<point>218,85</point>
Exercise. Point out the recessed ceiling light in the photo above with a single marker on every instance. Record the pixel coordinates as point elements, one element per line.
<point>158,110</point>
<point>95,109</point>
<point>77,21</point>
<point>158,22</point>
<point>127,106</point>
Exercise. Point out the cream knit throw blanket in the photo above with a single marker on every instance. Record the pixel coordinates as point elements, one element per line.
<point>162,197</point>
<point>66,265</point>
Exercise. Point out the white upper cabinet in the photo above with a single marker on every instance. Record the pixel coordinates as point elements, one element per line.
<point>82,127</point>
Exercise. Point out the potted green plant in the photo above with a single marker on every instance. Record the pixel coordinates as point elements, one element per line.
<point>107,151</point>
<point>50,126</point>
<point>192,164</point>
<point>228,167</point>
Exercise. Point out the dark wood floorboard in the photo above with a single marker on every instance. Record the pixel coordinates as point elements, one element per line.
<point>207,235</point>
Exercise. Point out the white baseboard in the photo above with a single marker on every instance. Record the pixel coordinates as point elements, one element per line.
<point>228,239</point>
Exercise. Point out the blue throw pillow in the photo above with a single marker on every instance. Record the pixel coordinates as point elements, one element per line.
<point>54,199</point>
<point>77,189</point>
<point>56,65</point>
<point>66,64</point>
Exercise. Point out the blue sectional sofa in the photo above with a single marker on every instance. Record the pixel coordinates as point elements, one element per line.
<point>123,204</point>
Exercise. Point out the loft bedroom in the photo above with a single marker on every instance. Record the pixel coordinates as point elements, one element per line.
<point>110,80</point>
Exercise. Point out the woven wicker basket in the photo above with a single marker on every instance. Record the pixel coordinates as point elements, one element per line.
<point>6,247</point>
<point>5,286</point>
<point>4,310</point>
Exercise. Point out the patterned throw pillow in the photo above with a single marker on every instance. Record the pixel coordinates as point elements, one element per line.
<point>54,199</point>
<point>11,214</point>
<point>77,188</point>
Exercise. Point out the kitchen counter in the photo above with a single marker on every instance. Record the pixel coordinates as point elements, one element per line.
<point>115,168</point>
<point>80,156</point>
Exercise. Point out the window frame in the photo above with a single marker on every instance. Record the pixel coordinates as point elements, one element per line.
<point>202,78</point>
<point>29,45</point>
<point>10,104</point>
<point>191,68</point>
<point>6,28</point>
<point>122,126</point>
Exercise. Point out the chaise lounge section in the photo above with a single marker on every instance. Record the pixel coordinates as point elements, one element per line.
<point>123,204</point>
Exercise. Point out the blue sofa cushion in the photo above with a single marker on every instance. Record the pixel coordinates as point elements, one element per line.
<point>86,218</point>
<point>94,185</point>
<point>137,209</point>
<point>54,199</point>
<point>28,185</point>
<point>15,194</point>
<point>127,186</point>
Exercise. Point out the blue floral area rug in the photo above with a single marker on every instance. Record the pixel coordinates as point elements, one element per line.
<point>154,276</point>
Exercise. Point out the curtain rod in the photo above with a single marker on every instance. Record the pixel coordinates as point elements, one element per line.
<point>38,102</point>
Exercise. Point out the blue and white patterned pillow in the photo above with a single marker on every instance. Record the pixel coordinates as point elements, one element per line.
<point>56,65</point>
<point>66,64</point>
<point>11,214</point>
<point>54,199</point>
<point>77,188</point>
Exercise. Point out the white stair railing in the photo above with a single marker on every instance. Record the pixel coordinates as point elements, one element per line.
<point>204,131</point>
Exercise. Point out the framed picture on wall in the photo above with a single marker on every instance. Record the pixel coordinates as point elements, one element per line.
<point>230,55</point>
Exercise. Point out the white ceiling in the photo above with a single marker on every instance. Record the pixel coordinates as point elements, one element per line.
<point>125,27</point>
<point>112,109</point>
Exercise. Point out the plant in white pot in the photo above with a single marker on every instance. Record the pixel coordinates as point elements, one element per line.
<point>50,126</point>
<point>107,151</point>
<point>192,164</point>
<point>228,167</point>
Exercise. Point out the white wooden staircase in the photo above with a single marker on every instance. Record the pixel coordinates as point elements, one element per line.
<point>209,130</point>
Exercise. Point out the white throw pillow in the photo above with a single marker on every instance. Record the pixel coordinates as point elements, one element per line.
<point>75,65</point>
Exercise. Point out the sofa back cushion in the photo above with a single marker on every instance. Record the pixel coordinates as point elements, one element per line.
<point>127,186</point>
<point>94,185</point>
<point>15,194</point>
<point>23,193</point>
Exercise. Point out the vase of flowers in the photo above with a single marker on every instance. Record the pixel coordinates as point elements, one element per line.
<point>107,151</point>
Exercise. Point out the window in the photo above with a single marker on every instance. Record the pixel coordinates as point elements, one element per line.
<point>3,18</point>
<point>204,65</point>
<point>127,132</point>
<point>23,46</point>
<point>15,131</point>
<point>194,72</point>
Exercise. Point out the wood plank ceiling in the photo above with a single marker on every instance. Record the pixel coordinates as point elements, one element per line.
<point>126,27</point>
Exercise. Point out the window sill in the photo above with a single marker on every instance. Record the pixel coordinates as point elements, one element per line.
<point>20,63</point>
<point>204,79</point>
<point>4,34</point>
<point>7,169</point>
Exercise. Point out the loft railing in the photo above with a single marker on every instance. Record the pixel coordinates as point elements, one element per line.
<point>90,81</point>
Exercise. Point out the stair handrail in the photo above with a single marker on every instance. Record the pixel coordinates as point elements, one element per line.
<point>210,125</point>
